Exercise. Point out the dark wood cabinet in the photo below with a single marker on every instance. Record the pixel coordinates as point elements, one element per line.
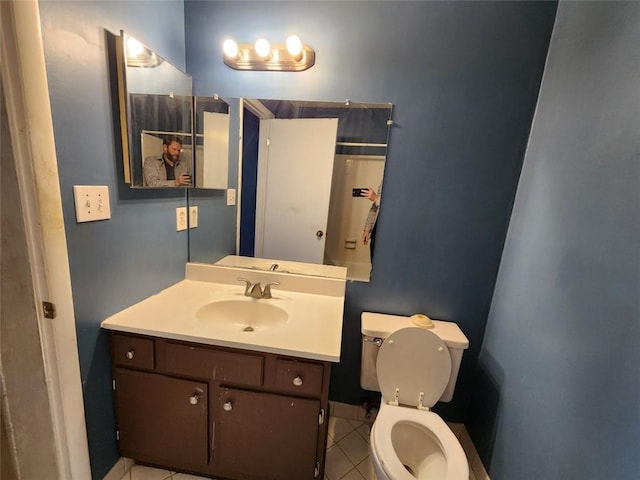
<point>162,417</point>
<point>265,436</point>
<point>219,412</point>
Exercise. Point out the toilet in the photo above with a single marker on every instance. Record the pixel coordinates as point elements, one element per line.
<point>413,367</point>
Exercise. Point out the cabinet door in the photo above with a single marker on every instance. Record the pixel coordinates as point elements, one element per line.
<point>162,418</point>
<point>265,436</point>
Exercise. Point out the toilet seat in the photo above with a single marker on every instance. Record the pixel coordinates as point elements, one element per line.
<point>413,361</point>
<point>457,465</point>
<point>413,368</point>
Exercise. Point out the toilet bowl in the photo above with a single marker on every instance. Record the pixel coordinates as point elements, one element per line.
<point>408,441</point>
<point>409,444</point>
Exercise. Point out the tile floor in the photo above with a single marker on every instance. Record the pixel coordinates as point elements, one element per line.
<point>347,455</point>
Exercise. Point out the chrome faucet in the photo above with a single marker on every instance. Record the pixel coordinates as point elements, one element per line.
<point>255,290</point>
<point>273,267</point>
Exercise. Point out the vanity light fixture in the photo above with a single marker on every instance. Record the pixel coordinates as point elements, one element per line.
<point>263,49</point>
<point>134,47</point>
<point>230,49</point>
<point>294,46</point>
<point>292,56</point>
<point>140,56</point>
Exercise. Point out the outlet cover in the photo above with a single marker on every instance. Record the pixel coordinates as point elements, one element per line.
<point>181,219</point>
<point>92,203</point>
<point>231,196</point>
<point>193,216</point>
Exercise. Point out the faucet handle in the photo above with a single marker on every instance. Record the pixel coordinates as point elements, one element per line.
<point>266,291</point>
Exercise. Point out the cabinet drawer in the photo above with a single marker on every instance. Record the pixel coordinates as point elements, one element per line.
<point>214,364</point>
<point>130,351</point>
<point>299,377</point>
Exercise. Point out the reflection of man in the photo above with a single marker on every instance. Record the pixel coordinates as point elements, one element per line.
<point>167,170</point>
<point>369,233</point>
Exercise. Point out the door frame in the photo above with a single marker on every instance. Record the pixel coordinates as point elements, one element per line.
<point>257,108</point>
<point>26,92</point>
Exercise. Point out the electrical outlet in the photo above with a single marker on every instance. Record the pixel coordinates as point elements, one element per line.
<point>181,218</point>
<point>231,196</point>
<point>193,216</point>
<point>92,203</point>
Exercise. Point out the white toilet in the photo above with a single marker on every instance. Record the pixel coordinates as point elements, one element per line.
<point>413,367</point>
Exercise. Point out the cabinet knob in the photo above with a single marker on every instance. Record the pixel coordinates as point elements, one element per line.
<point>227,407</point>
<point>297,381</point>
<point>195,398</point>
<point>130,354</point>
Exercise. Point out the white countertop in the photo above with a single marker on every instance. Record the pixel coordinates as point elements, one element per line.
<point>313,329</point>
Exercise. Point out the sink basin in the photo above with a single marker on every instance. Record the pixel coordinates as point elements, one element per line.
<point>247,315</point>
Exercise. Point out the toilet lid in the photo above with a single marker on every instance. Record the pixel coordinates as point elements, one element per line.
<point>413,360</point>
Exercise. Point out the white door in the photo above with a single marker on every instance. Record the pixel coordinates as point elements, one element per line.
<point>295,167</point>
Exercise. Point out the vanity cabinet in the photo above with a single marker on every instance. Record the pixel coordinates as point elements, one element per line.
<point>256,429</point>
<point>219,412</point>
<point>162,417</point>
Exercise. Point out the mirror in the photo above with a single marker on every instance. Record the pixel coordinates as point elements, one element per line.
<point>169,137</point>
<point>211,134</point>
<point>311,181</point>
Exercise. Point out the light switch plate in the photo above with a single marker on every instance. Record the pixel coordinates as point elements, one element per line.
<point>92,202</point>
<point>193,216</point>
<point>181,219</point>
<point>231,196</point>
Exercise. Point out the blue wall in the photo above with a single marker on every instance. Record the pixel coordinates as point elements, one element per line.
<point>138,252</point>
<point>558,389</point>
<point>463,102</point>
<point>463,78</point>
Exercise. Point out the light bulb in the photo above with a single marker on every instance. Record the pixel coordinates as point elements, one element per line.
<point>294,45</point>
<point>230,48</point>
<point>263,48</point>
<point>134,47</point>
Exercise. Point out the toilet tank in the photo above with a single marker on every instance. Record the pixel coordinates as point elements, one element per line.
<point>376,327</point>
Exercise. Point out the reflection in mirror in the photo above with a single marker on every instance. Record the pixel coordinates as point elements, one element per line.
<point>149,73</point>
<point>212,142</point>
<point>301,165</point>
<point>161,133</point>
<point>155,104</point>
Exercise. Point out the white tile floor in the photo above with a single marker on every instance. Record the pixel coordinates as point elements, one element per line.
<point>347,455</point>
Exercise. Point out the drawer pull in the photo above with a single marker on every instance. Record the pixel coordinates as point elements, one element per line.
<point>130,354</point>
<point>227,407</point>
<point>297,381</point>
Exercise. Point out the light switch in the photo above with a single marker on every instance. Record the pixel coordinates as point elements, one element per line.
<point>181,218</point>
<point>92,202</point>
<point>193,216</point>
